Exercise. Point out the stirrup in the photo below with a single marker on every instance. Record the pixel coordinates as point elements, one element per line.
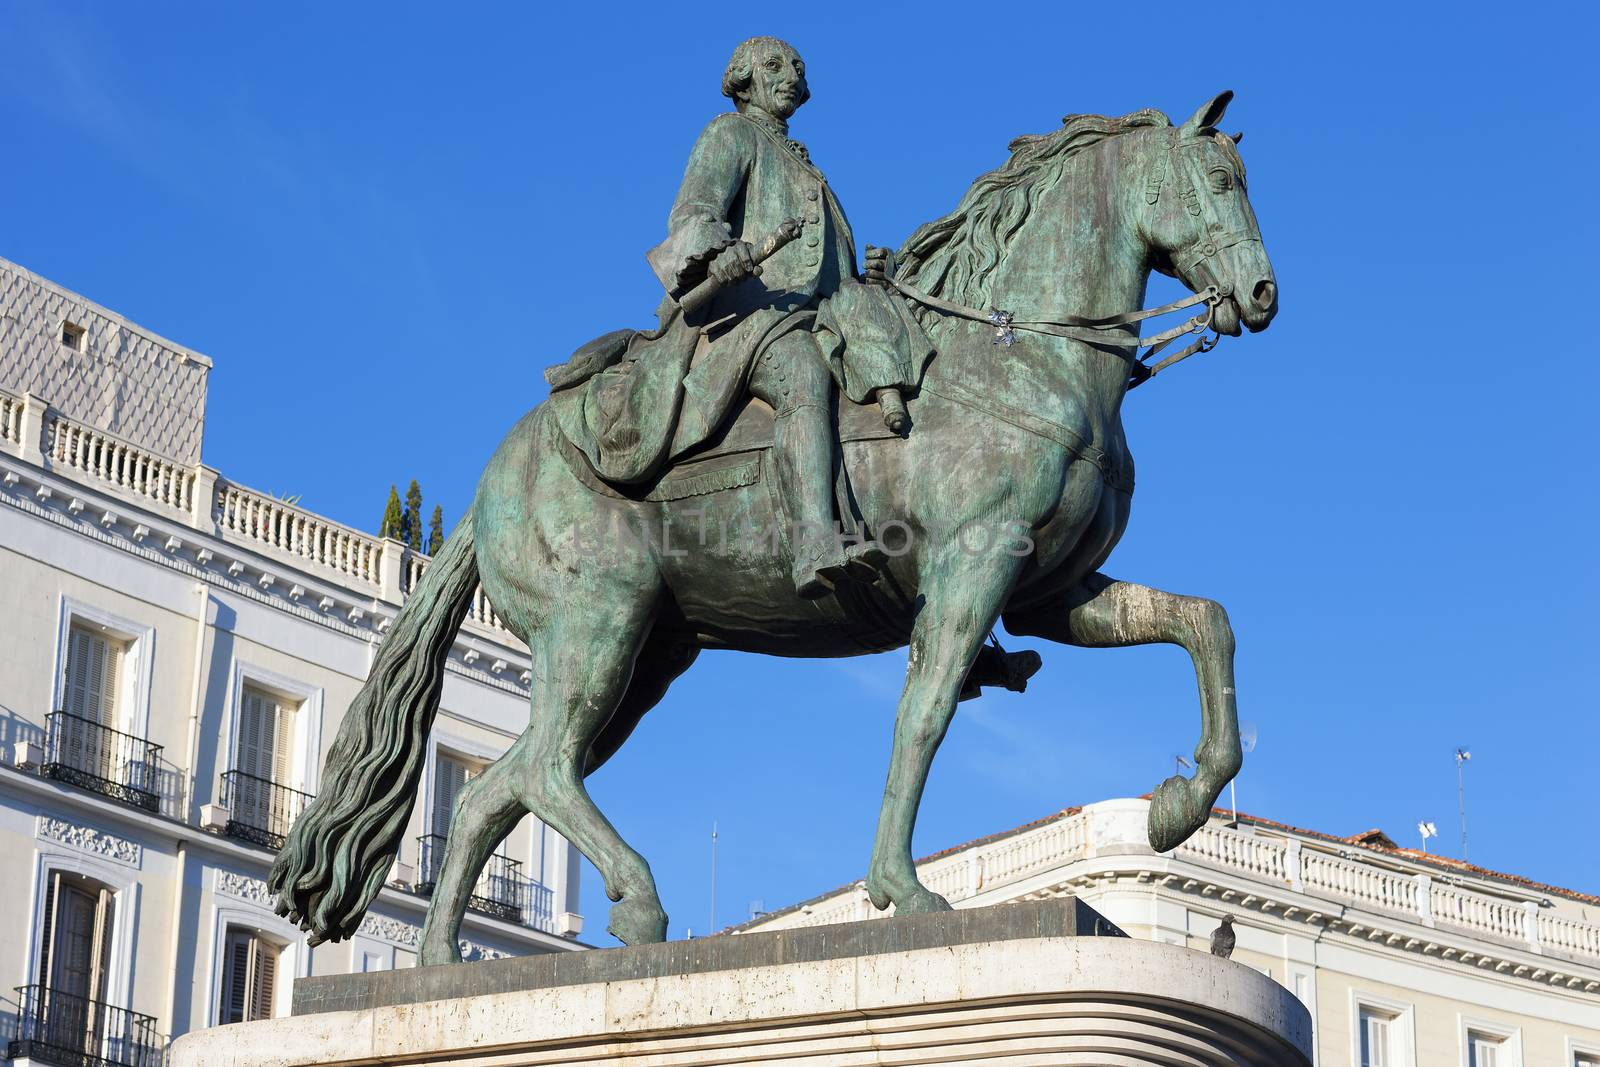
<point>818,577</point>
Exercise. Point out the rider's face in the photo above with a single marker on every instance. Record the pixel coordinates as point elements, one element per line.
<point>777,81</point>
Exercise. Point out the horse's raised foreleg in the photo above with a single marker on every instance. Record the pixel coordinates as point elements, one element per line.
<point>1102,612</point>
<point>961,605</point>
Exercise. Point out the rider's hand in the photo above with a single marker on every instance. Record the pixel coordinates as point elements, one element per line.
<point>733,263</point>
<point>877,265</point>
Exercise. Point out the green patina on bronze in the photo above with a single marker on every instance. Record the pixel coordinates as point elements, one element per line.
<point>646,511</point>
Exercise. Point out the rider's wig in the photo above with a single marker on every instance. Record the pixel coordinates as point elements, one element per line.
<point>741,67</point>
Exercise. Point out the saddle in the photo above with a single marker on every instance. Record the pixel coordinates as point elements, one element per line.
<point>729,459</point>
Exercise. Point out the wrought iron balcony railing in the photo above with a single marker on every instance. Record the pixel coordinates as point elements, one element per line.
<point>500,891</point>
<point>260,810</point>
<point>103,760</point>
<point>60,1028</point>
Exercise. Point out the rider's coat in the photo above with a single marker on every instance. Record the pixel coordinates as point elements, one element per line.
<point>742,181</point>
<point>678,384</point>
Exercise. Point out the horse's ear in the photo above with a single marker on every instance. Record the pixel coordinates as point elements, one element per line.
<point>1208,116</point>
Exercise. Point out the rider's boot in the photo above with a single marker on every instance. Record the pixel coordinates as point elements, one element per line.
<point>792,374</point>
<point>1001,669</point>
<point>803,446</point>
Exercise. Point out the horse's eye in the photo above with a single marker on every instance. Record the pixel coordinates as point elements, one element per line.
<point>1221,180</point>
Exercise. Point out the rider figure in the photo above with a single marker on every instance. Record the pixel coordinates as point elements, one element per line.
<point>786,324</point>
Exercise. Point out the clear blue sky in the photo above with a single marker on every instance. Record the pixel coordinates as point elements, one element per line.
<point>382,222</point>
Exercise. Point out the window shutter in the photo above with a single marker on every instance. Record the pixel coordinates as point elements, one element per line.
<point>110,677</point>
<point>47,947</point>
<point>76,699</point>
<point>282,733</point>
<point>248,758</point>
<point>449,775</point>
<point>101,962</point>
<point>236,982</point>
<point>264,977</point>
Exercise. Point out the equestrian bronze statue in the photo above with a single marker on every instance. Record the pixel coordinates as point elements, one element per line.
<point>804,460</point>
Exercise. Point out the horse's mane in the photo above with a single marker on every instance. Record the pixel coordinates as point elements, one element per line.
<point>955,257</point>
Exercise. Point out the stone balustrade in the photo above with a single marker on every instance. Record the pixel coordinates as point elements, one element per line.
<point>1262,857</point>
<point>263,522</point>
<point>10,418</point>
<point>1504,920</point>
<point>96,455</point>
<point>1568,936</point>
<point>1359,883</point>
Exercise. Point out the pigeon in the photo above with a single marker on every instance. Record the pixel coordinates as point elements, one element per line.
<point>1222,938</point>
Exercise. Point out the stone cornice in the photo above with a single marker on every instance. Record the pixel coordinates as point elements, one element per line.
<point>126,527</point>
<point>1286,910</point>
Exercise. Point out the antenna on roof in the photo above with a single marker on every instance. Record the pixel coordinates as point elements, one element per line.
<point>713,927</point>
<point>1427,830</point>
<point>1247,741</point>
<point>1181,764</point>
<point>1462,756</point>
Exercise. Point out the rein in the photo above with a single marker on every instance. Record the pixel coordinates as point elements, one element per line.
<point>1085,330</point>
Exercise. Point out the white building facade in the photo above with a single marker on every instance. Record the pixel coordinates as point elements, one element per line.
<point>1403,959</point>
<point>175,655</point>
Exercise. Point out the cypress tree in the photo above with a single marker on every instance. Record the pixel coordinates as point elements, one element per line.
<point>436,531</point>
<point>411,528</point>
<point>390,527</point>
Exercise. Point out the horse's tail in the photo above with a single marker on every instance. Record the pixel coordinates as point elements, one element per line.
<point>339,851</point>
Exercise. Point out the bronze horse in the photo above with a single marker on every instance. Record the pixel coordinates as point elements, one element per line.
<point>1000,504</point>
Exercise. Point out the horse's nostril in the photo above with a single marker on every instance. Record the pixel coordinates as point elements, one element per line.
<point>1265,293</point>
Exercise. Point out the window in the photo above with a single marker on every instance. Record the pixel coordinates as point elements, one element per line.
<point>1483,1050</point>
<point>77,936</point>
<point>450,773</point>
<point>1586,1059</point>
<point>94,670</point>
<point>249,976</point>
<point>266,735</point>
<point>1382,1032</point>
<point>67,1010</point>
<point>259,798</point>
<point>1486,1043</point>
<point>1378,1034</point>
<point>73,336</point>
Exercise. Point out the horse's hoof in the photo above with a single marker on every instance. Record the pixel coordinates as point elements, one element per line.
<point>638,922</point>
<point>1172,815</point>
<point>921,901</point>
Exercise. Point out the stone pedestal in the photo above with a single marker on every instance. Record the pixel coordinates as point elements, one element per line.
<point>1017,984</point>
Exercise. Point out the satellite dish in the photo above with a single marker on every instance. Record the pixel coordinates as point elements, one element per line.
<point>1247,736</point>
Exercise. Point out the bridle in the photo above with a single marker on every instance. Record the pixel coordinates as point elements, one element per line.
<point>1197,257</point>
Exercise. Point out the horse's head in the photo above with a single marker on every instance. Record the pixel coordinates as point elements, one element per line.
<point>1198,222</point>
